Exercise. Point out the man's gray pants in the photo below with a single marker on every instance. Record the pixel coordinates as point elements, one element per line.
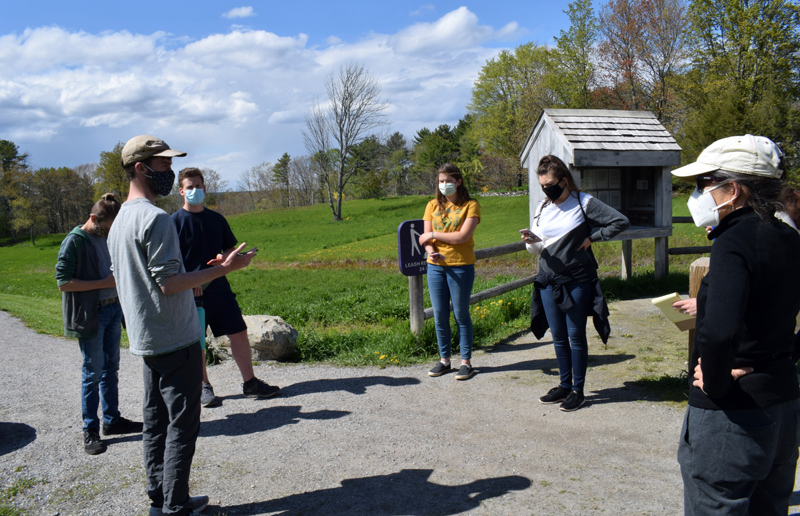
<point>171,416</point>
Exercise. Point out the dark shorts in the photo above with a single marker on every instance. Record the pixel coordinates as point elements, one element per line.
<point>223,314</point>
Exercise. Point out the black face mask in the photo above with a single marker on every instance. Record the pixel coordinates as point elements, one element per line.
<point>553,192</point>
<point>161,181</point>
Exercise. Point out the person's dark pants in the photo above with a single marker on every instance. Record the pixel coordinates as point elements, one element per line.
<point>569,333</point>
<point>739,462</point>
<point>171,410</point>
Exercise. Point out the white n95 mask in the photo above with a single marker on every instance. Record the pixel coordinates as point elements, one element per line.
<point>704,209</point>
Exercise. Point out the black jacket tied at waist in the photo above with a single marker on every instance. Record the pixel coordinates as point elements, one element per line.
<point>563,300</point>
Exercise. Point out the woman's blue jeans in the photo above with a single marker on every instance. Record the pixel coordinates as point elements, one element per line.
<point>100,380</point>
<point>569,333</point>
<point>446,284</point>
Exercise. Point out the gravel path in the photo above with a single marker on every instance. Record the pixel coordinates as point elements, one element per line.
<point>343,441</point>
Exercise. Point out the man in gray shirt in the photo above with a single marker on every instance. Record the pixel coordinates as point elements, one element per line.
<point>163,327</point>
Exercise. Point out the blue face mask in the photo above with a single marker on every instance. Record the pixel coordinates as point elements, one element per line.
<point>195,196</point>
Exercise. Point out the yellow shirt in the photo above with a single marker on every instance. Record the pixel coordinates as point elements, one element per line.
<point>449,222</point>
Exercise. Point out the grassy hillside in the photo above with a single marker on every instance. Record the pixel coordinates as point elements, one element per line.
<point>338,282</point>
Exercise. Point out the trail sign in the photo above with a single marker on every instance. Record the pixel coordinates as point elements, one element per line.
<point>411,257</point>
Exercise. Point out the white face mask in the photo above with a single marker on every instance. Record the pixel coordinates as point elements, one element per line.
<point>447,189</point>
<point>704,209</point>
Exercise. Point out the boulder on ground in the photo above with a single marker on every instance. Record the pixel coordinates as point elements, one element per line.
<point>271,338</point>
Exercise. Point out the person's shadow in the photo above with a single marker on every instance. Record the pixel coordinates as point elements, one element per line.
<point>356,385</point>
<point>14,436</point>
<point>262,420</point>
<point>408,492</point>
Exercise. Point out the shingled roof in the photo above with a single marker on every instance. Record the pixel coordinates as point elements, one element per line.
<point>600,129</point>
<point>603,137</point>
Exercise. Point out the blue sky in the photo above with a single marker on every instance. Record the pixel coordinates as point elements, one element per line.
<point>230,82</point>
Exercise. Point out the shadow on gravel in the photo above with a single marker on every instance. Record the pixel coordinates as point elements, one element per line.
<point>795,500</point>
<point>265,419</point>
<point>629,392</point>
<point>351,385</point>
<point>15,436</point>
<point>549,366</point>
<point>408,492</point>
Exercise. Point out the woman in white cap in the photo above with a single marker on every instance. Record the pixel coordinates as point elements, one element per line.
<point>738,446</point>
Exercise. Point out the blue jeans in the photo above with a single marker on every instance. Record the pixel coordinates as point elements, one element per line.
<point>569,333</point>
<point>446,284</point>
<point>100,366</point>
<point>739,462</point>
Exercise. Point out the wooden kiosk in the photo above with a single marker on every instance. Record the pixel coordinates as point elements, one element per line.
<point>623,158</point>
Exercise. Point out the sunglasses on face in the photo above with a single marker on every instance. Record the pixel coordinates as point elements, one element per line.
<point>703,182</point>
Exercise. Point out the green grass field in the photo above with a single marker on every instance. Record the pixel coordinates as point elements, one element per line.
<point>338,282</point>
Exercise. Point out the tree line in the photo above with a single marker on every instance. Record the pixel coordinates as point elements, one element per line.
<point>706,68</point>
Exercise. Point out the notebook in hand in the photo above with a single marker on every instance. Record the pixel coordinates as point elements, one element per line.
<point>681,320</point>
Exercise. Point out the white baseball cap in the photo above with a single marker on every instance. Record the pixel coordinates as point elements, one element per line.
<point>748,154</point>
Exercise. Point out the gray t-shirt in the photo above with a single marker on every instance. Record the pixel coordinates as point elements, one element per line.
<point>144,249</point>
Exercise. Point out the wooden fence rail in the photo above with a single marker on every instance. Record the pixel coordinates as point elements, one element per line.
<point>417,313</point>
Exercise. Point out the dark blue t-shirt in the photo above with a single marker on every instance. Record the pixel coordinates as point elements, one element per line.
<point>202,237</point>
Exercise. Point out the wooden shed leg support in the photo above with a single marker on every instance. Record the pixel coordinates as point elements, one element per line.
<point>661,257</point>
<point>627,251</point>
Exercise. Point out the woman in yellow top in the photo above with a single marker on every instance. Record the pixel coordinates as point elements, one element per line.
<point>450,219</point>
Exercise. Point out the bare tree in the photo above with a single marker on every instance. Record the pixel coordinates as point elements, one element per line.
<point>257,182</point>
<point>303,180</point>
<point>353,109</point>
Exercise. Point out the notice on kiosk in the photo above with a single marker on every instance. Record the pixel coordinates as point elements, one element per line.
<point>411,257</point>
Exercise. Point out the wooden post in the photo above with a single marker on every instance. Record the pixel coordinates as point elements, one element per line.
<point>697,271</point>
<point>416,314</point>
<point>627,264</point>
<point>661,264</point>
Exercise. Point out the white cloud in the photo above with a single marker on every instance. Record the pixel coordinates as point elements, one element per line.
<point>231,100</point>
<point>423,9</point>
<point>239,12</point>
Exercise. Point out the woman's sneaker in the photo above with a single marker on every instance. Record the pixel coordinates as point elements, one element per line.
<point>439,369</point>
<point>574,401</point>
<point>554,395</point>
<point>465,372</point>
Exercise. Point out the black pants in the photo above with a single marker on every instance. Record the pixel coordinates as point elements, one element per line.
<point>171,414</point>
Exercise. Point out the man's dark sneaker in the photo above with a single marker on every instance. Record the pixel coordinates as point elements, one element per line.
<point>122,426</point>
<point>92,443</point>
<point>255,388</point>
<point>439,369</point>
<point>465,372</point>
<point>554,395</point>
<point>207,397</point>
<point>574,401</point>
<point>197,504</point>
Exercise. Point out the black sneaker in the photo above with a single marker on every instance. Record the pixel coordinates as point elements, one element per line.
<point>92,443</point>
<point>439,369</point>
<point>465,372</point>
<point>197,504</point>
<point>255,388</point>
<point>554,395</point>
<point>207,397</point>
<point>122,426</point>
<point>574,401</point>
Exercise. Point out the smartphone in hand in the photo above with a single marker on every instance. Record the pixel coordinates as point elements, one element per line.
<point>251,251</point>
<point>528,236</point>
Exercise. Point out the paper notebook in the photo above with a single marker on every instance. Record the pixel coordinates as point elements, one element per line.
<point>681,320</point>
